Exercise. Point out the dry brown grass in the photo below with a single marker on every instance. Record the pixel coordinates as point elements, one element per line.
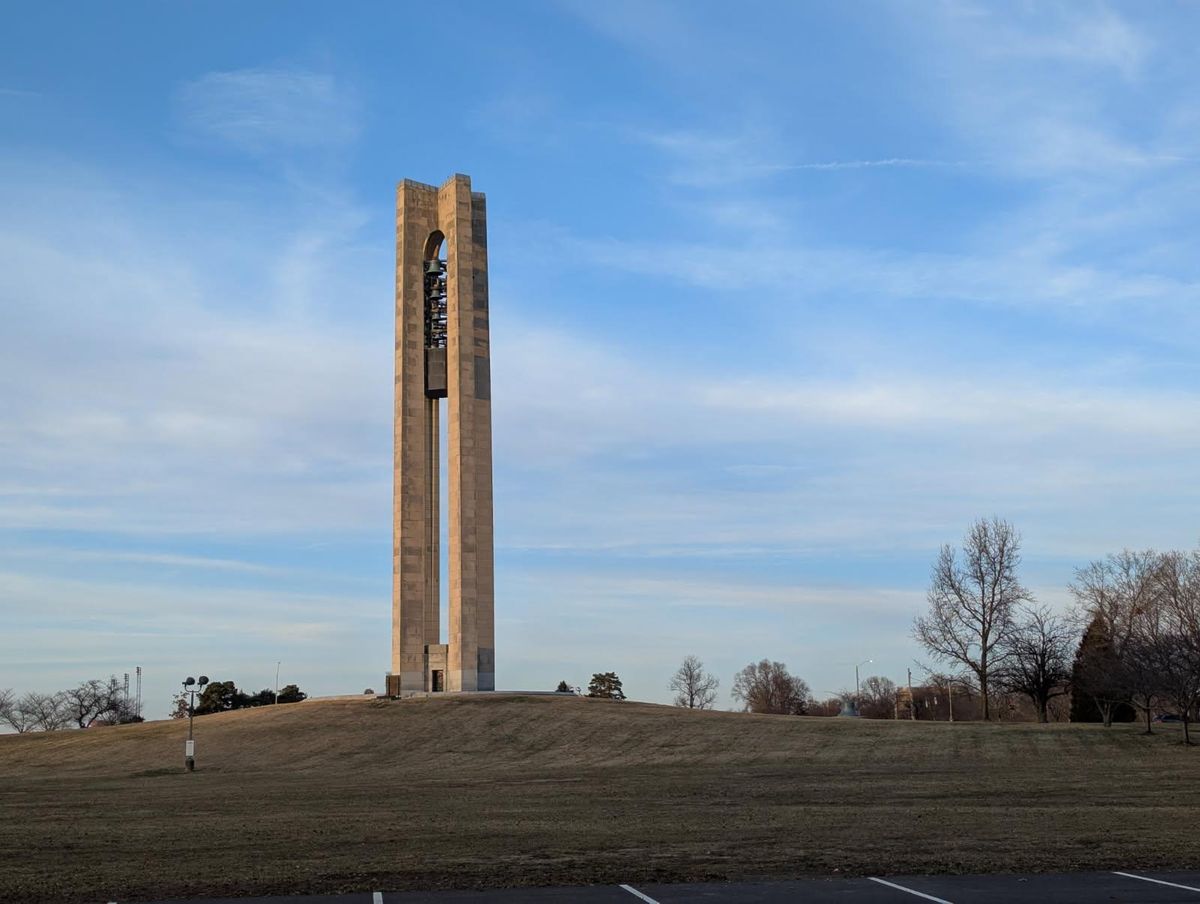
<point>461,792</point>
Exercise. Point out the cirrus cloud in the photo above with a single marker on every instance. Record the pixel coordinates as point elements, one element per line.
<point>264,111</point>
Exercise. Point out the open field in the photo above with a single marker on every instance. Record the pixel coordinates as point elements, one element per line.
<point>465,792</point>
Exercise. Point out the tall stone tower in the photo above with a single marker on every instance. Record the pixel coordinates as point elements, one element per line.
<point>442,352</point>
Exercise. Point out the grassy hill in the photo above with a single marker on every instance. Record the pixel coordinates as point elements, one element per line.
<point>353,795</point>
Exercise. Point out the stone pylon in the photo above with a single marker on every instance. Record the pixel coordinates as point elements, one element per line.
<point>442,352</point>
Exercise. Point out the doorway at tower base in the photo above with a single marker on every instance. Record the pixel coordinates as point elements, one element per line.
<point>439,678</point>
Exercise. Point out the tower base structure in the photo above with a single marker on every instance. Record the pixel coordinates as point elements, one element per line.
<point>437,656</point>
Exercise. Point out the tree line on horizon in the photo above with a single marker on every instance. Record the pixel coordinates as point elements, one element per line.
<point>95,702</point>
<point>1130,646</point>
<point>768,687</point>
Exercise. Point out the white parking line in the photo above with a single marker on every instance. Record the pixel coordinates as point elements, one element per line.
<point>637,894</point>
<point>1158,881</point>
<point>919,894</point>
<point>376,897</point>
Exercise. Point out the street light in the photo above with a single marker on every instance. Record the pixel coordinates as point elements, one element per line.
<point>856,689</point>
<point>191,687</point>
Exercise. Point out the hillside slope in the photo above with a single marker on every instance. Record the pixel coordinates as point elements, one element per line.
<point>360,794</point>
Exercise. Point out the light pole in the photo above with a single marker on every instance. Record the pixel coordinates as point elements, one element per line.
<point>276,682</point>
<point>191,687</point>
<point>856,688</point>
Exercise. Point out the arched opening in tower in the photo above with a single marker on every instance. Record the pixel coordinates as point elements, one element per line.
<point>436,316</point>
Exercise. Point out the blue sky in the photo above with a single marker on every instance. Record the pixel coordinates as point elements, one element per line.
<point>783,296</point>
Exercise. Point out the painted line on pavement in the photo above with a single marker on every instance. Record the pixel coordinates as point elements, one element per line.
<point>637,894</point>
<point>1158,881</point>
<point>376,897</point>
<point>919,894</point>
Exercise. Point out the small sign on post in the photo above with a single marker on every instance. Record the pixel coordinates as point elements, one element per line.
<point>189,748</point>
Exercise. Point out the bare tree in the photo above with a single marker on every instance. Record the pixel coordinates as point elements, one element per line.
<point>1119,597</point>
<point>44,711</point>
<point>768,687</point>
<point>830,706</point>
<point>1037,657</point>
<point>7,702</point>
<point>180,705</point>
<point>1178,643</point>
<point>1140,668</point>
<point>971,601</point>
<point>17,718</point>
<point>91,701</point>
<point>877,698</point>
<point>694,687</point>
<point>99,703</point>
<point>83,702</point>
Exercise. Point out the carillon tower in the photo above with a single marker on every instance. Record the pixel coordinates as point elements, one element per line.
<point>442,352</point>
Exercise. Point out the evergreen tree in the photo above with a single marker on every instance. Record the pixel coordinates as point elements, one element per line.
<point>291,693</point>
<point>606,685</point>
<point>219,697</point>
<point>1097,691</point>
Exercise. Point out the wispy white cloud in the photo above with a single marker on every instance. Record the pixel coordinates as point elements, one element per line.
<point>711,159</point>
<point>722,465</point>
<point>883,163</point>
<point>34,600</point>
<point>602,592</point>
<point>729,158</point>
<point>1019,275</point>
<point>262,111</point>
<point>112,556</point>
<point>597,390</point>
<point>1031,88</point>
<point>1029,410</point>
<point>1095,35</point>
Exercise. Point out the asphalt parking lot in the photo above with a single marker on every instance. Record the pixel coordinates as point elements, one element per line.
<point>1125,887</point>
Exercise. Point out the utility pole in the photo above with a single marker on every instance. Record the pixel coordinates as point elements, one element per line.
<point>856,684</point>
<point>277,683</point>
<point>950,691</point>
<point>912,708</point>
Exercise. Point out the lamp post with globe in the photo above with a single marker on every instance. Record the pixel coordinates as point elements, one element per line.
<point>191,687</point>
<point>857,689</point>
